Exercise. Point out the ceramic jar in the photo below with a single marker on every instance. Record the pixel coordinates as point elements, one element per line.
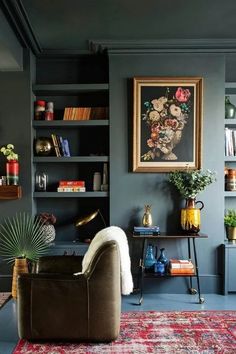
<point>230,109</point>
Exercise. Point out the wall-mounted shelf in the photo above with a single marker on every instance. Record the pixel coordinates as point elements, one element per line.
<point>10,192</point>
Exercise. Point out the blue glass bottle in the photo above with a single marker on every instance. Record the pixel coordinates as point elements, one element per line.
<point>162,258</point>
<point>150,259</point>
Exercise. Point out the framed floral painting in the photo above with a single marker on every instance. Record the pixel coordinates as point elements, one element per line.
<point>167,123</point>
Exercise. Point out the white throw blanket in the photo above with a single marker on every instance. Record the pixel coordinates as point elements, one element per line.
<point>117,234</point>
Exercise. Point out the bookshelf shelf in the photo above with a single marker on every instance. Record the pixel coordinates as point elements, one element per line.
<point>63,159</point>
<point>70,124</point>
<point>69,88</point>
<point>71,194</point>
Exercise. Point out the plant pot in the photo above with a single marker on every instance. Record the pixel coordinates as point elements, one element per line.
<point>231,233</point>
<point>12,172</point>
<point>191,216</point>
<point>20,266</point>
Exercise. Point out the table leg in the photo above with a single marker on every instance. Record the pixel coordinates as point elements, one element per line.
<point>141,271</point>
<point>190,257</point>
<point>201,299</point>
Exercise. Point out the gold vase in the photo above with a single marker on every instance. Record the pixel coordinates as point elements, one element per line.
<point>191,216</point>
<point>231,233</point>
<point>20,266</point>
<point>147,216</point>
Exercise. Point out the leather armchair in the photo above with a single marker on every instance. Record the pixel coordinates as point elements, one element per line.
<point>57,305</point>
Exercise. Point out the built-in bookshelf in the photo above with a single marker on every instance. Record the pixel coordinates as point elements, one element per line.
<point>88,141</point>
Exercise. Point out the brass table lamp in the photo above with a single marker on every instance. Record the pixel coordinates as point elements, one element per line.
<point>84,220</point>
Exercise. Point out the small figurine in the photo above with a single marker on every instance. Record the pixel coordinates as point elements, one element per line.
<point>147,216</point>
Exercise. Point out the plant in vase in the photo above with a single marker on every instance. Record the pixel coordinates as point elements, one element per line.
<point>48,221</point>
<point>12,165</point>
<point>21,241</point>
<point>190,183</point>
<point>230,224</point>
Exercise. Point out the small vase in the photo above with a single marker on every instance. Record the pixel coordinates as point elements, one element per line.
<point>49,233</point>
<point>12,172</point>
<point>162,258</point>
<point>150,258</point>
<point>20,267</point>
<point>191,216</point>
<point>230,109</point>
<point>147,216</point>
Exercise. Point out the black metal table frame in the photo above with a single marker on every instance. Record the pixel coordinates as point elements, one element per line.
<point>171,236</point>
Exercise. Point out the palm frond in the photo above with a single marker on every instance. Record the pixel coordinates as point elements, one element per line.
<point>22,236</point>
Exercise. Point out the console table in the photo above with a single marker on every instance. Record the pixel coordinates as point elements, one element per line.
<point>169,236</point>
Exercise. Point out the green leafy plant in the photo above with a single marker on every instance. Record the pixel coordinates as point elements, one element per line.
<point>22,236</point>
<point>230,218</point>
<point>189,183</point>
<point>8,152</point>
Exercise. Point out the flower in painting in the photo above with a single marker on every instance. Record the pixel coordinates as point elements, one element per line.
<point>166,118</point>
<point>182,95</point>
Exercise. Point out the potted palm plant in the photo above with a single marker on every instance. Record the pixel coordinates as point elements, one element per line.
<point>22,241</point>
<point>190,183</point>
<point>230,224</point>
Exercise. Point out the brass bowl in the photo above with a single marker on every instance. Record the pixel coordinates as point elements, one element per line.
<point>43,146</point>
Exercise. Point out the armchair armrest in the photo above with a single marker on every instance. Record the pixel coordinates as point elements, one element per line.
<point>52,298</point>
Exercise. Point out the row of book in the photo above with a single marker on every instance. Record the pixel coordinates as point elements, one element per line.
<point>85,113</point>
<point>61,146</point>
<point>71,186</point>
<point>230,142</point>
<point>181,267</point>
<point>146,230</point>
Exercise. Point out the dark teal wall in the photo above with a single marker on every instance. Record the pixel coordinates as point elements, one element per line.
<point>130,191</point>
<point>15,128</point>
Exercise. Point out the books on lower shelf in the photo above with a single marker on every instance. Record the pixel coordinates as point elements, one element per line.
<point>85,113</point>
<point>181,266</point>
<point>146,231</point>
<point>71,186</point>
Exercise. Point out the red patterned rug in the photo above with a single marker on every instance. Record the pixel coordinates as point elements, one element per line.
<point>4,297</point>
<point>198,332</point>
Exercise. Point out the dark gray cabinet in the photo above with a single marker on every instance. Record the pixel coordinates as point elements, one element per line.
<point>229,266</point>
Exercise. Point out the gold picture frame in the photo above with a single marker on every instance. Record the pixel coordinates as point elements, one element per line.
<point>167,123</point>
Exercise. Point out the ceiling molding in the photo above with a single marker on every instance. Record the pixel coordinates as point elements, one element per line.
<point>16,15</point>
<point>164,46</point>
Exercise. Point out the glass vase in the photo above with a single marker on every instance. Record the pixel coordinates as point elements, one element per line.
<point>12,172</point>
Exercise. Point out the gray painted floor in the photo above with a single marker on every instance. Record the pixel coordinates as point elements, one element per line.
<point>158,302</point>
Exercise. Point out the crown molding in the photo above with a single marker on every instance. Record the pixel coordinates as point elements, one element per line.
<point>164,46</point>
<point>17,16</point>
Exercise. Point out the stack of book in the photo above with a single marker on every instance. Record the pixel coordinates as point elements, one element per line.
<point>61,146</point>
<point>146,230</point>
<point>71,186</point>
<point>85,113</point>
<point>181,266</point>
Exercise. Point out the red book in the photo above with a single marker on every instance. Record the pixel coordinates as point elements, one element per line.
<point>72,183</point>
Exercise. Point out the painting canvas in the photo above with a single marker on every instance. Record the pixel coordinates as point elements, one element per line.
<point>167,123</point>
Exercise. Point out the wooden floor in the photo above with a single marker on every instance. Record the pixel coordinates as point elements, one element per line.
<point>158,302</point>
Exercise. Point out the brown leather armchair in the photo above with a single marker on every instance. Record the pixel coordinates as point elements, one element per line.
<point>57,305</point>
